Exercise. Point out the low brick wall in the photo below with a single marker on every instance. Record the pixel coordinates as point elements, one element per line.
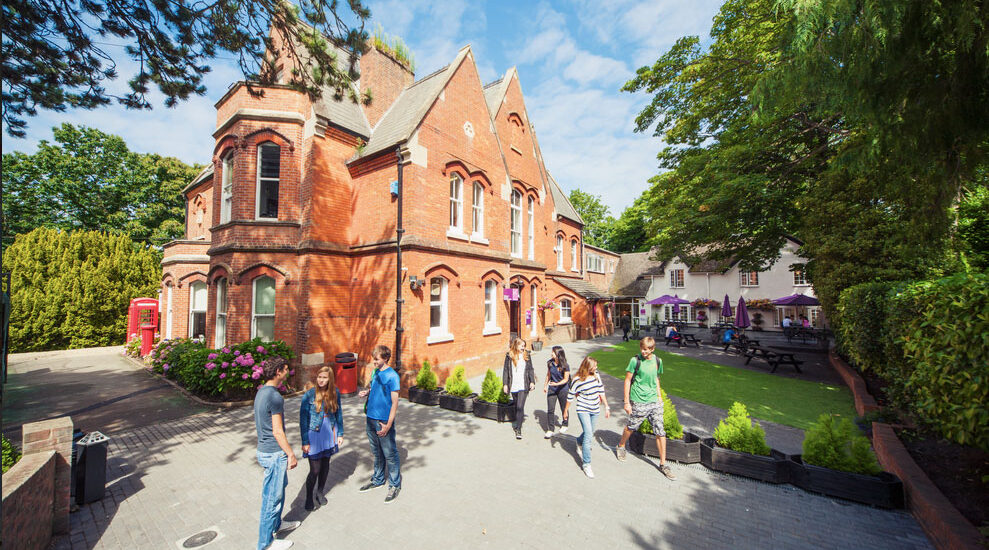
<point>864,402</point>
<point>944,524</point>
<point>28,490</point>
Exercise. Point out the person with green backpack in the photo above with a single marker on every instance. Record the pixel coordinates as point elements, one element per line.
<point>643,400</point>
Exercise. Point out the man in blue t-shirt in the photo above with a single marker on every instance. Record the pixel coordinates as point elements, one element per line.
<point>381,407</point>
<point>274,455</point>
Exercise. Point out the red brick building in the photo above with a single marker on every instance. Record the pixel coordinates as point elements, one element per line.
<point>291,233</point>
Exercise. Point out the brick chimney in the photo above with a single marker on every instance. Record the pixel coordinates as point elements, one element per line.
<point>386,77</point>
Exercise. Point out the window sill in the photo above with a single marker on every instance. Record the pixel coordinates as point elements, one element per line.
<point>575,270</point>
<point>439,338</point>
<point>567,322</point>
<point>517,256</point>
<point>479,239</point>
<point>454,233</point>
<point>260,219</point>
<point>491,331</point>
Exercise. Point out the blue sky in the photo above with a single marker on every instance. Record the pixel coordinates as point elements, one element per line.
<point>572,58</point>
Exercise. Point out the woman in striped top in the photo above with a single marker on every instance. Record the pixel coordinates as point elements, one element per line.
<point>588,392</point>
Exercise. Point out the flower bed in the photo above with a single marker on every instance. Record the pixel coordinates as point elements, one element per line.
<point>232,372</point>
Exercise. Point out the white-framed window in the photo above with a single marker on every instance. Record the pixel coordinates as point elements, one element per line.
<point>269,168</point>
<point>516,224</point>
<point>263,309</point>
<point>565,310</point>
<point>594,263</point>
<point>456,203</point>
<point>682,315</point>
<point>612,262</point>
<point>168,316</point>
<point>221,313</point>
<point>226,188</point>
<point>799,278</point>
<point>559,253</point>
<point>676,278</point>
<point>438,309</point>
<point>748,278</point>
<point>815,314</point>
<point>490,301</point>
<point>532,228</point>
<point>197,310</point>
<point>573,256</point>
<point>477,210</point>
<point>532,308</point>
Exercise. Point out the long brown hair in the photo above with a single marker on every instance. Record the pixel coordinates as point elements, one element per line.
<point>515,350</point>
<point>325,399</point>
<point>585,367</point>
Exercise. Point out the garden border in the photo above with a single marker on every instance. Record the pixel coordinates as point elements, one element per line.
<point>944,525</point>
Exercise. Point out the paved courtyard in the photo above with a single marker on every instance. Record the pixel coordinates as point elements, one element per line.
<point>467,483</point>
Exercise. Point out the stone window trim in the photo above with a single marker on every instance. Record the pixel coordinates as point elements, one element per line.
<point>281,276</point>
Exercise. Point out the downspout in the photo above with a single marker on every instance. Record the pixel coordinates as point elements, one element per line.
<point>404,156</point>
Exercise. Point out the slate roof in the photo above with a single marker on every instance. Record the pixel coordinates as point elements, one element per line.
<point>405,114</point>
<point>494,92</point>
<point>583,288</point>
<point>634,274</point>
<point>563,206</point>
<point>206,172</point>
<point>343,112</point>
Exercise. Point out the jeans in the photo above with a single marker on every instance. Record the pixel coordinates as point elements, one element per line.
<point>551,400</point>
<point>519,397</point>
<point>272,495</point>
<point>587,421</point>
<point>384,450</point>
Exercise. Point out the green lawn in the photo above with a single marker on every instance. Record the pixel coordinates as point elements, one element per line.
<point>783,400</point>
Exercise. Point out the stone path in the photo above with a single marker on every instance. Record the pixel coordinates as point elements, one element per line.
<point>467,483</point>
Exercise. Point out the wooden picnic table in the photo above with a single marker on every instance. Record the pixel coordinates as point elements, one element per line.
<point>773,357</point>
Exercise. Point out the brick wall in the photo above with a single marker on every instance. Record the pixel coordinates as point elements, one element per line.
<point>386,78</point>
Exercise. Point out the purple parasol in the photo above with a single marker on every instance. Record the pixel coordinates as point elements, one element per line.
<point>667,299</point>
<point>676,308</point>
<point>742,314</point>
<point>797,300</point>
<point>726,307</point>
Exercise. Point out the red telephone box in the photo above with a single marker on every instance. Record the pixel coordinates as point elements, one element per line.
<point>142,322</point>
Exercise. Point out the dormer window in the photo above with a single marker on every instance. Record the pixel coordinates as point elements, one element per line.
<point>269,169</point>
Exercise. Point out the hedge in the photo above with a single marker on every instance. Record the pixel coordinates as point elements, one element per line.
<point>929,340</point>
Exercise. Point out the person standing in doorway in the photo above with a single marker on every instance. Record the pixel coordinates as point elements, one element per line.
<point>381,408</point>
<point>643,400</point>
<point>274,455</point>
<point>555,388</point>
<point>519,378</point>
<point>626,325</point>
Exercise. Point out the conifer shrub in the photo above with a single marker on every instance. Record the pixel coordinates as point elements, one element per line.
<point>738,433</point>
<point>456,384</point>
<point>671,422</point>
<point>836,443</point>
<point>10,454</point>
<point>426,378</point>
<point>492,389</point>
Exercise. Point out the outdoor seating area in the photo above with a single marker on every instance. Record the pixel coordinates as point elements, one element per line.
<point>773,357</point>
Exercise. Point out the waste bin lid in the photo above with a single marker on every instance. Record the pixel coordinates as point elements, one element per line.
<point>93,437</point>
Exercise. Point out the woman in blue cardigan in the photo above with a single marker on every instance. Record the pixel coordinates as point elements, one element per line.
<point>321,424</point>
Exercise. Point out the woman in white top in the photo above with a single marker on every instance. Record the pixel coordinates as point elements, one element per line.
<point>588,392</point>
<point>519,378</point>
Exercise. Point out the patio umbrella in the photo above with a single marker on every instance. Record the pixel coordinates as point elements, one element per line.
<point>742,314</point>
<point>726,307</point>
<point>797,300</point>
<point>676,308</point>
<point>667,299</point>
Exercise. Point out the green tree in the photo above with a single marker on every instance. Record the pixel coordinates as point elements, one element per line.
<point>596,215</point>
<point>629,233</point>
<point>90,180</point>
<point>71,289</point>
<point>55,54</point>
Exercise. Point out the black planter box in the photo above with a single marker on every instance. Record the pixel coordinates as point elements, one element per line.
<point>425,397</point>
<point>685,451</point>
<point>884,490</point>
<point>772,469</point>
<point>502,412</point>
<point>459,404</point>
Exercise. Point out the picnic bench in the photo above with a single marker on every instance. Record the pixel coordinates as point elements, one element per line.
<point>684,339</point>
<point>774,358</point>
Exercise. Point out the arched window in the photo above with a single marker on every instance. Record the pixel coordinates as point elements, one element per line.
<point>516,224</point>
<point>532,229</point>
<point>221,313</point>
<point>490,313</point>
<point>438,308</point>
<point>269,169</point>
<point>477,209</point>
<point>534,327</point>
<point>168,315</point>
<point>263,309</point>
<point>197,310</point>
<point>559,253</point>
<point>456,203</point>
<point>565,310</point>
<point>573,256</point>
<point>226,188</point>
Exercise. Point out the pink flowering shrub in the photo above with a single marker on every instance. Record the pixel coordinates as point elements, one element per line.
<point>234,371</point>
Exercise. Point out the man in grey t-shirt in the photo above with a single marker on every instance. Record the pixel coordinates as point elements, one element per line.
<point>274,455</point>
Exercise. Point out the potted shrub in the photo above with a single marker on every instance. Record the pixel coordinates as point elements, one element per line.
<point>757,321</point>
<point>494,403</point>
<point>456,396</point>
<point>425,392</point>
<point>739,447</point>
<point>681,446</point>
<point>701,319</point>
<point>838,461</point>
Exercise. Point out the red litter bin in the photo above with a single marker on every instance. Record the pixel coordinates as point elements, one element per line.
<point>345,372</point>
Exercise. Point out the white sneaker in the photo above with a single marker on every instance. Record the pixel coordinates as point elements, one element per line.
<point>548,434</point>
<point>563,430</point>
<point>288,526</point>
<point>588,471</point>
<point>280,544</point>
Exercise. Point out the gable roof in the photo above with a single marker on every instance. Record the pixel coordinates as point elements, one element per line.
<point>405,114</point>
<point>494,92</point>
<point>203,174</point>
<point>563,206</point>
<point>634,274</point>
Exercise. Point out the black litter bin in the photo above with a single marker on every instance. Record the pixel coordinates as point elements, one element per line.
<point>91,468</point>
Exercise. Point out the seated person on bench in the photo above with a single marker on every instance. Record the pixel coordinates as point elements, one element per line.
<point>727,336</point>
<point>672,333</point>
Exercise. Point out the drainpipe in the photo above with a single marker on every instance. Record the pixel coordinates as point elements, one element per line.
<point>404,156</point>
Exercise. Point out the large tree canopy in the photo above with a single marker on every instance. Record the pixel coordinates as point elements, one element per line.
<point>89,180</point>
<point>596,215</point>
<point>55,54</point>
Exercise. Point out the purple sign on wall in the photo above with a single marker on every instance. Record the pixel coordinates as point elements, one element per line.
<point>528,316</point>
<point>511,294</point>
